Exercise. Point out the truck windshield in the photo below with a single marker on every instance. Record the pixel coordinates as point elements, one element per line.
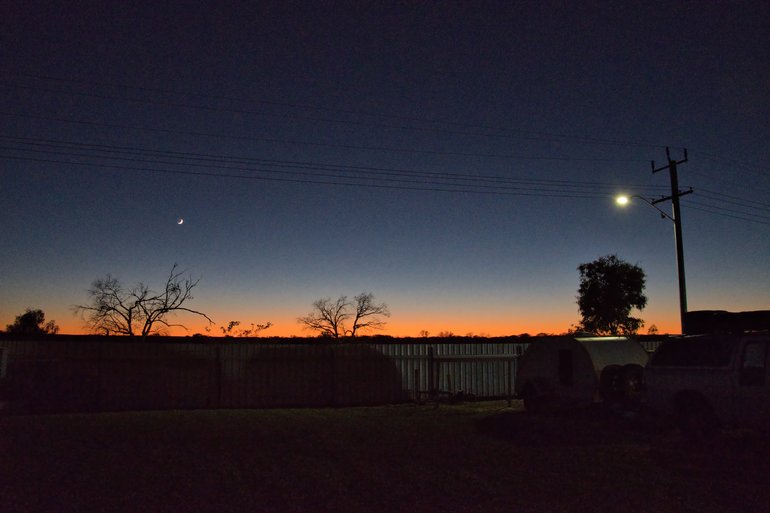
<point>700,351</point>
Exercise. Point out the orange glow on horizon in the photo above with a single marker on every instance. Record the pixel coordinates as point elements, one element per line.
<point>288,327</point>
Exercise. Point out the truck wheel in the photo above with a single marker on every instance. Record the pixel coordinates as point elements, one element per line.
<point>695,417</point>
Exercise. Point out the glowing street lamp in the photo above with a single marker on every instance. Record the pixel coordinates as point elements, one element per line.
<point>623,200</point>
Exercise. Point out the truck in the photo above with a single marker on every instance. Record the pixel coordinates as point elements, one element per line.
<point>709,380</point>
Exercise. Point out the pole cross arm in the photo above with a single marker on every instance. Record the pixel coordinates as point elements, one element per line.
<point>666,198</point>
<point>668,157</point>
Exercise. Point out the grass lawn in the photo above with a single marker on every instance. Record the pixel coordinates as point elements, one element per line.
<point>472,457</point>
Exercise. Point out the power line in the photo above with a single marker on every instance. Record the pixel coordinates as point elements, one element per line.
<point>531,134</point>
<point>336,171</point>
<point>745,165</point>
<point>437,187</point>
<point>305,143</point>
<point>522,134</point>
<point>324,120</point>
<point>324,172</point>
<point>728,210</point>
<point>733,200</point>
<point>742,185</point>
<point>390,184</point>
<point>718,212</point>
<point>428,187</point>
<point>209,160</point>
<point>380,178</point>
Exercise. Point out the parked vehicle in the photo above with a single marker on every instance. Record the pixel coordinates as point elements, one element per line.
<point>708,380</point>
<point>577,371</point>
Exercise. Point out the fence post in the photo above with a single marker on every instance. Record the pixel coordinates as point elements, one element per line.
<point>219,376</point>
<point>333,374</point>
<point>99,376</point>
<point>510,382</point>
<point>431,377</point>
<point>416,391</point>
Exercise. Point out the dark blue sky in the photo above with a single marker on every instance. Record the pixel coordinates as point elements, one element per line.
<point>458,159</point>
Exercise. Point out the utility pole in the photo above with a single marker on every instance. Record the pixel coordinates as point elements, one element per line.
<point>677,218</point>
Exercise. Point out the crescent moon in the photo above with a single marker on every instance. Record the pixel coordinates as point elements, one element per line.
<point>181,221</point>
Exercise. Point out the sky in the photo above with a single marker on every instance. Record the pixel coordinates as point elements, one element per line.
<point>458,160</point>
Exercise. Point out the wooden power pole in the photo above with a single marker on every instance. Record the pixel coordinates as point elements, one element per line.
<point>677,218</point>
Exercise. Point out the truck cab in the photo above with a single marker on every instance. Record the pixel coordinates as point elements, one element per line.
<point>712,379</point>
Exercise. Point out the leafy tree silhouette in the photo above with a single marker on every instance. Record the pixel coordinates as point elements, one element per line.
<point>32,322</point>
<point>609,289</point>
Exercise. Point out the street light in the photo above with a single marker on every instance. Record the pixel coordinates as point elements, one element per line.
<point>623,200</point>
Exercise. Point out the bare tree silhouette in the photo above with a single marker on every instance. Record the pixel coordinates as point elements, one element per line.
<point>329,317</point>
<point>368,314</point>
<point>113,309</point>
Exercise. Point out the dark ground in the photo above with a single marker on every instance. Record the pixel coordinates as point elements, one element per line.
<point>469,457</point>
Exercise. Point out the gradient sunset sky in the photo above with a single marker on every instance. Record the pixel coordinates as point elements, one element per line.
<point>457,159</point>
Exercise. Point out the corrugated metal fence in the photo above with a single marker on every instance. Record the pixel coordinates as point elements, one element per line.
<point>103,375</point>
<point>481,370</point>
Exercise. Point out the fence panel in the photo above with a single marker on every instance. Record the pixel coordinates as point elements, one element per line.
<point>445,369</point>
<point>84,375</point>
